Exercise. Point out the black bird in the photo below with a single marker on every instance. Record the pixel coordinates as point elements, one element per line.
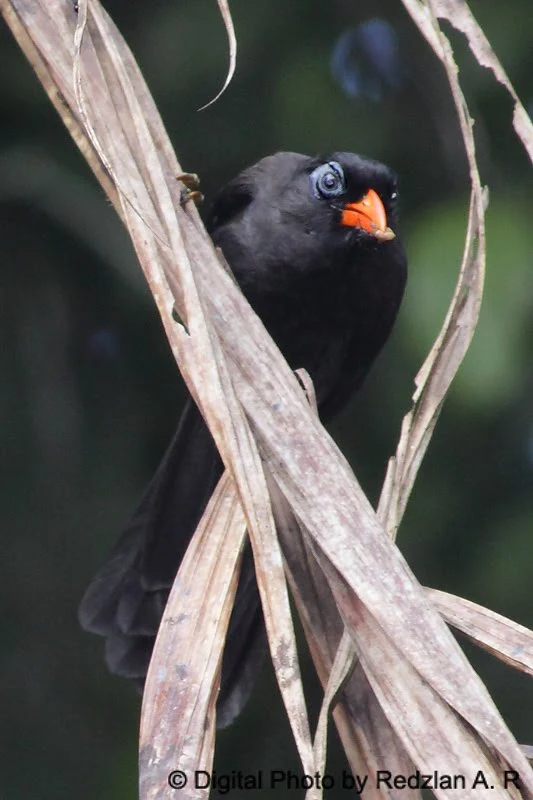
<point>311,244</point>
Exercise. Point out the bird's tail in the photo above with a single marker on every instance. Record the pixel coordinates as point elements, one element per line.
<point>126,599</point>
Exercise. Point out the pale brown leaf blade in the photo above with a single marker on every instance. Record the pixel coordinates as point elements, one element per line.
<point>178,712</point>
<point>339,672</point>
<point>458,14</point>
<point>439,369</point>
<point>380,746</point>
<point>369,741</point>
<point>370,731</point>
<point>313,607</point>
<point>232,43</point>
<point>429,728</point>
<point>268,562</point>
<point>455,685</point>
<point>443,361</point>
<point>282,642</point>
<point>379,577</point>
<point>504,638</point>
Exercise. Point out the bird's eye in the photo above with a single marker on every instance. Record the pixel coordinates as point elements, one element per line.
<point>328,180</point>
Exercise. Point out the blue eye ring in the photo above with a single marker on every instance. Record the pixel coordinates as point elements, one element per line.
<point>328,180</point>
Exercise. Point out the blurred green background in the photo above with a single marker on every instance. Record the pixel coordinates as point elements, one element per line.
<point>90,393</point>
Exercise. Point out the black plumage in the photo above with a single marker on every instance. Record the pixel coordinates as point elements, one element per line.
<point>306,242</point>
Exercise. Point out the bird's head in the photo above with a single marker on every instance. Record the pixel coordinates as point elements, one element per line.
<point>291,213</point>
<point>358,193</point>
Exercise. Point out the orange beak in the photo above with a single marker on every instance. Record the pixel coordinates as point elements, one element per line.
<point>369,214</point>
